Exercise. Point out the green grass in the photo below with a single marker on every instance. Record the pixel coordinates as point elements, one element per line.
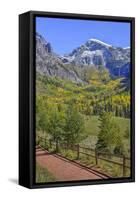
<point>92,124</point>
<point>92,129</point>
<point>123,123</point>
<point>42,175</point>
<point>68,154</point>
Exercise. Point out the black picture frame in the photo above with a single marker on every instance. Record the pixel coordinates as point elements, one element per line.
<point>27,98</point>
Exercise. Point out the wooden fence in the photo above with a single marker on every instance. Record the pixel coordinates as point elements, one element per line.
<point>96,155</point>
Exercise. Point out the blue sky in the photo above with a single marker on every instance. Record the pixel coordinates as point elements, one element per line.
<point>67,34</point>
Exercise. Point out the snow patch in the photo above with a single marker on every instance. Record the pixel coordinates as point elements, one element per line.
<point>100,42</point>
<point>91,53</point>
<point>126,48</point>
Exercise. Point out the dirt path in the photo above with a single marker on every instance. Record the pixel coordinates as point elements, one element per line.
<point>63,169</point>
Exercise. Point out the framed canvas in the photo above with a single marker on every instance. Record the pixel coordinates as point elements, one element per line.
<point>76,99</point>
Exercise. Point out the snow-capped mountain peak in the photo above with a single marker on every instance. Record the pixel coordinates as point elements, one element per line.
<point>126,48</point>
<point>99,42</point>
<point>96,52</point>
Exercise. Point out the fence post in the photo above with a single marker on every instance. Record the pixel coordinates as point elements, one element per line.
<point>56,145</point>
<point>38,140</point>
<point>50,144</point>
<point>45,143</point>
<point>78,151</point>
<point>124,164</point>
<point>96,157</point>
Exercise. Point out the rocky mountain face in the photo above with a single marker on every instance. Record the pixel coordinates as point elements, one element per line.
<point>93,52</point>
<point>48,63</point>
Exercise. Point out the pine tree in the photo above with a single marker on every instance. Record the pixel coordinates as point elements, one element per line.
<point>109,134</point>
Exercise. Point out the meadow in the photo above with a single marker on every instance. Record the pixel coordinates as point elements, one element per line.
<point>92,129</point>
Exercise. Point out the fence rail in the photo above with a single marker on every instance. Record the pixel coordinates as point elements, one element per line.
<point>97,155</point>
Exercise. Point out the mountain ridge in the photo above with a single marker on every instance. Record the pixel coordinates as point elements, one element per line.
<point>92,53</point>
